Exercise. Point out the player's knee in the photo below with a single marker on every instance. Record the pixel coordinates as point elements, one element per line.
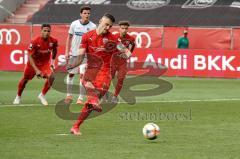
<point>25,80</point>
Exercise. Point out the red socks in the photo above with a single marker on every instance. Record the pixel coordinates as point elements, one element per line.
<point>46,87</point>
<point>118,87</point>
<point>21,85</point>
<point>83,115</point>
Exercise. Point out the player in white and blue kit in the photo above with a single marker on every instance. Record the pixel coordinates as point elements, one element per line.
<point>76,31</point>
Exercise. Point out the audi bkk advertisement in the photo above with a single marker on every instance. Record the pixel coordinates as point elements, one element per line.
<point>155,50</point>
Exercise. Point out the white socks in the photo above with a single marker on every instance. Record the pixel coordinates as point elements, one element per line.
<point>81,90</point>
<point>69,85</point>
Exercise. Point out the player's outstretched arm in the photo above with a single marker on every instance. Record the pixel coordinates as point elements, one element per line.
<point>79,59</point>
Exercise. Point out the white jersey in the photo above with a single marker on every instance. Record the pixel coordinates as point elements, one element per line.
<point>77,30</point>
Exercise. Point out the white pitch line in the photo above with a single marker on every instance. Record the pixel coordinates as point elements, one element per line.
<point>24,105</point>
<point>190,100</point>
<point>63,134</point>
<point>171,101</point>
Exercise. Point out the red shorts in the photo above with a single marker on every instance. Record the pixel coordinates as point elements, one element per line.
<point>29,72</point>
<point>101,79</point>
<point>91,74</point>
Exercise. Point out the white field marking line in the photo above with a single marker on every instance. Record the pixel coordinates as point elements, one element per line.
<point>24,105</point>
<point>189,100</point>
<point>171,101</point>
<point>62,134</point>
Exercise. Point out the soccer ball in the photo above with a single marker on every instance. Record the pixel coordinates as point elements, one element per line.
<point>151,131</point>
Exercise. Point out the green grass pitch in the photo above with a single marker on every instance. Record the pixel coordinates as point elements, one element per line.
<point>199,119</point>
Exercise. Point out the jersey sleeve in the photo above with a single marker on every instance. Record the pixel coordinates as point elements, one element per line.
<point>32,47</point>
<point>94,26</point>
<point>71,29</point>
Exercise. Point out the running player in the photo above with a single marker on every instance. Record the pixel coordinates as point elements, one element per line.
<point>119,63</point>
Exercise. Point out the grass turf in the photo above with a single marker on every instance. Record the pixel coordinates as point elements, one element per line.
<point>189,129</point>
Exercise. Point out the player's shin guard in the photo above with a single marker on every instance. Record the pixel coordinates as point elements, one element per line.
<point>86,110</point>
<point>69,85</point>
<point>21,85</point>
<point>118,87</point>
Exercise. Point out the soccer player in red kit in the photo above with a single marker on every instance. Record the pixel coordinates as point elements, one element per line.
<point>119,63</point>
<point>99,46</point>
<point>39,63</point>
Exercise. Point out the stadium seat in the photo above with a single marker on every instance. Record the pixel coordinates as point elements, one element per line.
<point>177,12</point>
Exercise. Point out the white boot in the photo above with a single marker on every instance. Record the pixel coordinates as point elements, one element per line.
<point>43,99</point>
<point>17,100</point>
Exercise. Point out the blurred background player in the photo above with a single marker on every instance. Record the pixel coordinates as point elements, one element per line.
<point>183,42</point>
<point>99,45</point>
<point>76,31</point>
<point>39,63</point>
<point>119,63</point>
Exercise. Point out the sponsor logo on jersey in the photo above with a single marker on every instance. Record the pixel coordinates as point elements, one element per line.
<point>79,33</point>
<point>105,40</point>
<point>50,44</point>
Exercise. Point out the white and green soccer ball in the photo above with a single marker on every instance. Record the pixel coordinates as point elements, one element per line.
<point>151,131</point>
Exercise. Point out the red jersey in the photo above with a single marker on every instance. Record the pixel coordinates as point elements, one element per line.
<point>99,49</point>
<point>41,49</point>
<point>129,42</point>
